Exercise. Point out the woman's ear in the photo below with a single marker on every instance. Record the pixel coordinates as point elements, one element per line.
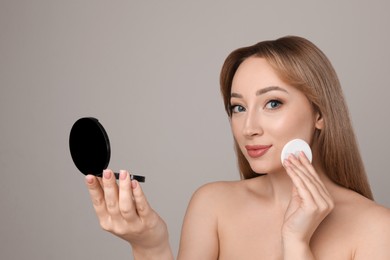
<point>319,121</point>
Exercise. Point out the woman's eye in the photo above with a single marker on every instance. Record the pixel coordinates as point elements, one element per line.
<point>237,109</point>
<point>273,104</point>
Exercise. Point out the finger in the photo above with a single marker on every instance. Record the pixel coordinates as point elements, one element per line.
<point>100,180</point>
<point>141,203</point>
<point>312,173</point>
<point>111,194</point>
<point>97,196</point>
<point>126,202</point>
<point>305,161</point>
<point>310,182</point>
<point>320,198</point>
<point>298,162</point>
<point>299,184</point>
<point>305,167</point>
<point>295,202</point>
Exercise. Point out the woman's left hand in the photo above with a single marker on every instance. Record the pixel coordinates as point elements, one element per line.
<point>310,201</point>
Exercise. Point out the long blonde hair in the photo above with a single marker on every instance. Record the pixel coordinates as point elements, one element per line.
<point>301,64</point>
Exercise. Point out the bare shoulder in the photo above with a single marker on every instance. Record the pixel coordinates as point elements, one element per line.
<point>362,211</point>
<point>227,191</point>
<point>375,219</point>
<point>365,210</point>
<point>199,238</point>
<point>218,199</point>
<point>216,193</point>
<point>371,226</point>
<point>379,214</point>
<point>375,236</point>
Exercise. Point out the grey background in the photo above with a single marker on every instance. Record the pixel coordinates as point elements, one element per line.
<point>149,71</point>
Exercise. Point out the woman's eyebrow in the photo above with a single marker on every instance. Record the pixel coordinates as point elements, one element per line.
<point>270,88</point>
<point>260,91</point>
<point>235,95</point>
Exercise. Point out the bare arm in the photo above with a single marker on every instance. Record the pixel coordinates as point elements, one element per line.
<point>199,238</point>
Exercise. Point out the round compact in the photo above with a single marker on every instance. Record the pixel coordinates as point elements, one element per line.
<point>294,147</point>
<point>90,148</point>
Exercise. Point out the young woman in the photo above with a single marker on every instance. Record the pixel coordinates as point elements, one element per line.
<point>273,91</point>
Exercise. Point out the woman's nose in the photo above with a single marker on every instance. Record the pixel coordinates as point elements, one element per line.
<point>252,126</point>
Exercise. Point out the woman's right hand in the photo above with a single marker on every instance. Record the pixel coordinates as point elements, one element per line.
<point>123,210</point>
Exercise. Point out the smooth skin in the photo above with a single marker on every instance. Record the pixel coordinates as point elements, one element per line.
<point>292,212</point>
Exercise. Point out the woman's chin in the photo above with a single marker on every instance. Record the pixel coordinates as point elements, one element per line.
<point>266,169</point>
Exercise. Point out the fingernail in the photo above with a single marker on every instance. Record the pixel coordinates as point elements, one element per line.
<point>107,174</point>
<point>286,162</point>
<point>122,175</point>
<point>134,184</point>
<point>89,179</point>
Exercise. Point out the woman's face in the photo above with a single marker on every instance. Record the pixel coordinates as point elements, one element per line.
<point>266,113</point>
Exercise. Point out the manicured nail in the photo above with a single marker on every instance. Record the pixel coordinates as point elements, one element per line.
<point>286,162</point>
<point>89,179</point>
<point>122,175</point>
<point>107,174</point>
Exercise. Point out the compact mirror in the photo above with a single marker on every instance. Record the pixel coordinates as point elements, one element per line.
<point>90,148</point>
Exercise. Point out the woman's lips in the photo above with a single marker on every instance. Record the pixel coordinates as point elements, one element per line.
<point>255,151</point>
